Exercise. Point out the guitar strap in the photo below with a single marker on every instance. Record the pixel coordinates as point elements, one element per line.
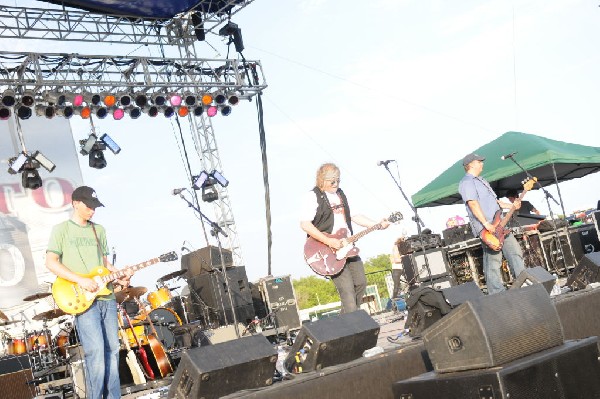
<point>98,244</point>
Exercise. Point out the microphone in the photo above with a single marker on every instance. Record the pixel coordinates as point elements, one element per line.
<point>385,162</point>
<point>185,249</point>
<point>177,191</point>
<point>503,157</point>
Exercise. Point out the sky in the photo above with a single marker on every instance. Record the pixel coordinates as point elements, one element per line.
<point>421,82</point>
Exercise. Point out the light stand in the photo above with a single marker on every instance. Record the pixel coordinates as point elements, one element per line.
<point>555,238</point>
<point>415,219</point>
<point>215,231</point>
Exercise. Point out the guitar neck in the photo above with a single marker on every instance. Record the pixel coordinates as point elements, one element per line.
<point>363,233</point>
<point>121,273</point>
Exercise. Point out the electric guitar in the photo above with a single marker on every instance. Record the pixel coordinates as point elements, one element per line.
<point>326,261</point>
<point>141,352</point>
<point>495,240</point>
<point>162,360</point>
<point>132,361</point>
<point>73,299</point>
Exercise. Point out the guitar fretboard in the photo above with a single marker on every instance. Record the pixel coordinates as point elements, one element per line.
<point>121,273</point>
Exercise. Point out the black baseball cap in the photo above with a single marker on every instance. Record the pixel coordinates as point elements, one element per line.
<point>87,195</point>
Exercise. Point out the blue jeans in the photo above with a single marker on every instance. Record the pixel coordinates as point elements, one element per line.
<point>492,263</point>
<point>99,336</point>
<point>351,283</point>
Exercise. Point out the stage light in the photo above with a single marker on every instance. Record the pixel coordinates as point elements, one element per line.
<point>47,111</point>
<point>233,99</point>
<point>23,112</point>
<point>4,113</point>
<point>15,164</point>
<point>152,111</point>
<point>88,144</point>
<point>231,29</point>
<point>94,99</point>
<point>118,114</point>
<point>159,99</point>
<point>84,112</point>
<point>168,112</point>
<point>8,98</point>
<point>134,112</point>
<point>201,180</point>
<point>30,178</point>
<point>209,193</point>
<point>28,98</point>
<point>211,111</point>
<point>77,100</point>
<point>198,110</point>
<point>207,99</point>
<point>101,112</point>
<point>110,143</point>
<point>66,111</point>
<point>175,99</point>
<point>183,111</point>
<point>219,178</point>
<point>96,157</point>
<point>220,98</point>
<point>124,99</point>
<point>44,161</point>
<point>109,99</point>
<point>225,110</point>
<point>55,98</point>
<point>141,100</point>
<point>189,99</point>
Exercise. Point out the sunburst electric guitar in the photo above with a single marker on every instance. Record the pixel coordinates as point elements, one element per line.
<point>73,299</point>
<point>325,261</point>
<point>495,239</point>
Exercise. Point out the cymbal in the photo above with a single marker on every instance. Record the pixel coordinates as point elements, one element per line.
<point>38,295</point>
<point>170,276</point>
<point>3,316</point>
<point>7,322</point>
<point>130,293</point>
<point>50,314</point>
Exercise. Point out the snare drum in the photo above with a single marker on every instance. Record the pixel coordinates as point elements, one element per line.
<point>38,340</point>
<point>140,332</point>
<point>17,346</point>
<point>164,320</point>
<point>159,298</point>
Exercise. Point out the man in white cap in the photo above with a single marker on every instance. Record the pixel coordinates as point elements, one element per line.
<point>482,204</point>
<point>75,248</point>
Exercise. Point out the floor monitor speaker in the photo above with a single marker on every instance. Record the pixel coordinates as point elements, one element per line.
<point>535,275</point>
<point>332,341</point>
<point>493,330</point>
<point>217,370</point>
<point>586,272</point>
<point>15,372</point>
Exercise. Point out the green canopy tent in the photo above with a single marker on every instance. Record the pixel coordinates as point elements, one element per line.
<point>551,161</point>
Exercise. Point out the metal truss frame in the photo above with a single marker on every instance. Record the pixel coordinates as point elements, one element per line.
<point>68,24</point>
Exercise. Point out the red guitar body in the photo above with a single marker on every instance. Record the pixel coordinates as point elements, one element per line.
<point>495,240</point>
<point>324,260</point>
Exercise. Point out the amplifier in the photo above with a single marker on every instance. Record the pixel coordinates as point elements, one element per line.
<point>553,253</point>
<point>205,260</point>
<point>280,299</point>
<point>415,268</point>
<point>584,239</point>
<point>457,234</point>
<point>416,243</point>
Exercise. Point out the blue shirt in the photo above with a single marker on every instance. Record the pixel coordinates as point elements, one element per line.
<point>474,188</point>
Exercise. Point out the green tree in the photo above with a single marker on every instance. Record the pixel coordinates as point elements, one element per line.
<point>376,268</point>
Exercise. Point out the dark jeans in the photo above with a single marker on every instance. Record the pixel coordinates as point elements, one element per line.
<point>351,284</point>
<point>396,277</point>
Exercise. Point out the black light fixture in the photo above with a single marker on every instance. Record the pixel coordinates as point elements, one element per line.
<point>8,98</point>
<point>28,165</point>
<point>30,178</point>
<point>96,157</point>
<point>206,182</point>
<point>235,33</point>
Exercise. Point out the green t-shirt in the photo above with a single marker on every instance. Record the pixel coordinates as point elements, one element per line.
<point>77,247</point>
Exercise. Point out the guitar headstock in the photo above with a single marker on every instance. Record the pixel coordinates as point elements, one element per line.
<point>528,183</point>
<point>168,257</point>
<point>395,217</point>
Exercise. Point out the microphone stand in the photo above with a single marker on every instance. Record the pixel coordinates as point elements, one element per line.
<point>555,237</point>
<point>419,223</point>
<point>215,230</point>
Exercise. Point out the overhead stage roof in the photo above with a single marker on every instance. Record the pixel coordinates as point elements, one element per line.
<point>156,9</point>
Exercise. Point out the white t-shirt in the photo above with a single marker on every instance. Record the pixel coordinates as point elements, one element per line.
<point>310,205</point>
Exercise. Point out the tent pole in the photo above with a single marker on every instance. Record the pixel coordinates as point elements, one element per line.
<point>562,205</point>
<point>566,228</point>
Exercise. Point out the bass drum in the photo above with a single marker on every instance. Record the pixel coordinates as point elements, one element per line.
<point>165,321</point>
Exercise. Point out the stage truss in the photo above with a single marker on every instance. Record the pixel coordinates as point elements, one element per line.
<point>122,73</point>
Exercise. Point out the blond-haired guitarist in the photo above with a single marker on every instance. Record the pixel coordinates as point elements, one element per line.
<point>482,205</point>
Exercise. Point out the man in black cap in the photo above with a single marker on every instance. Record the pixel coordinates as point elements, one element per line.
<point>75,249</point>
<point>482,204</point>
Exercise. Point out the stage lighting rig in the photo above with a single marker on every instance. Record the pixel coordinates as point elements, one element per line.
<point>235,33</point>
<point>94,147</point>
<point>27,165</point>
<point>206,182</point>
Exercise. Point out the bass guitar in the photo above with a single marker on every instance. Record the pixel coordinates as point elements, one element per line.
<point>326,261</point>
<point>495,240</point>
<point>162,360</point>
<point>141,352</point>
<point>73,299</point>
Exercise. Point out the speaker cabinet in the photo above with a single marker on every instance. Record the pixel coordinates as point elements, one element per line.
<point>553,253</point>
<point>566,371</point>
<point>15,372</point>
<point>331,341</point>
<point>584,240</point>
<point>205,260</point>
<point>586,272</point>
<point>462,293</point>
<point>493,330</point>
<point>535,275</point>
<point>217,370</point>
<point>280,298</point>
<point>437,261</point>
<point>213,293</point>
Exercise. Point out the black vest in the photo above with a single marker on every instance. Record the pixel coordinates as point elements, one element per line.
<point>324,217</point>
